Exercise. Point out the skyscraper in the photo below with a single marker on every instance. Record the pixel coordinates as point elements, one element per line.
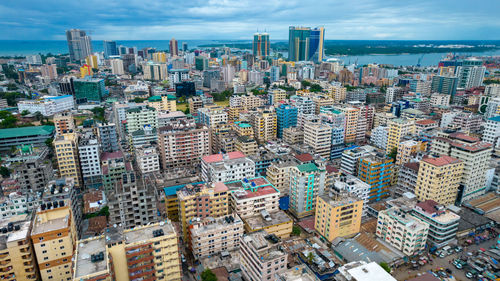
<point>261,45</point>
<point>306,44</point>
<point>174,48</point>
<point>184,46</point>
<point>78,44</point>
<point>110,49</point>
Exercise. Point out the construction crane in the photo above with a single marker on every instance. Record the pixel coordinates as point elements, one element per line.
<point>420,59</point>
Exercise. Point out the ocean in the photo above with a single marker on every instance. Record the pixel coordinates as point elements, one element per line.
<point>29,47</point>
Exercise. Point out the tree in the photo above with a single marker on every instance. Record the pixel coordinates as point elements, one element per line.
<point>139,100</point>
<point>49,141</point>
<point>208,275</point>
<point>310,258</point>
<point>25,112</point>
<point>296,230</point>
<point>187,110</point>
<point>385,266</point>
<point>393,153</point>
<point>305,83</point>
<point>4,172</point>
<point>98,113</point>
<point>38,116</point>
<point>315,88</point>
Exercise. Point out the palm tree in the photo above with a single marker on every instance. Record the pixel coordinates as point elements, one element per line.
<point>310,258</point>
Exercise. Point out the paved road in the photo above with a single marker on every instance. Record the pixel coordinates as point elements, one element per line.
<point>406,273</point>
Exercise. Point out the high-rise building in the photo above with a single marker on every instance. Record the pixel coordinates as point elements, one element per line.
<point>471,73</point>
<point>226,167</point>
<point>376,170</point>
<point>89,90</point>
<point>79,45</point>
<point>491,132</point>
<point>64,122</point>
<point>306,44</point>
<point>264,124</point>
<point>261,258</point>
<point>184,46</point>
<point>338,215</point>
<point>307,182</point>
<point>444,84</point>
<point>261,45</point>
<point>140,117</point>
<point>54,239</point>
<point>66,150</point>
<point>110,49</point>
<point>438,179</point>
<point>183,143</point>
<point>398,128</point>
<point>174,48</point>
<point>89,151</point>
<point>286,117</point>
<point>150,252</point>
<point>17,249</point>
<point>201,201</point>
<point>108,137</point>
<point>443,223</point>
<point>319,137</point>
<point>474,154</point>
<point>403,231</point>
<point>117,67</point>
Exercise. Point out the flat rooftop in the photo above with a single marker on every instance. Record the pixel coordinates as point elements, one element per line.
<point>52,224</point>
<point>342,199</point>
<point>264,248</point>
<point>209,224</point>
<point>85,249</point>
<point>146,232</point>
<point>371,271</point>
<point>258,222</point>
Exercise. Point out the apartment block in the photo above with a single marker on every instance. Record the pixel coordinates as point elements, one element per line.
<point>491,132</point>
<point>408,149</point>
<point>148,252</point>
<point>227,167</point>
<point>319,137</point>
<point>64,122</point>
<point>147,159</point>
<point>407,177</point>
<point>183,143</point>
<point>401,230</point>
<point>132,202</point>
<point>201,201</point>
<point>307,182</point>
<point>108,137</point>
<point>286,118</point>
<point>66,150</point>
<point>250,196</point>
<point>54,239</point>
<point>354,186</point>
<point>293,135</point>
<point>338,215</point>
<point>32,166</point>
<point>264,123</point>
<point>246,145</point>
<point>90,160</point>
<point>278,174</point>
<point>377,171</point>
<point>261,257</point>
<point>439,179</point>
<point>397,129</point>
<point>212,115</point>
<point>210,236</point>
<point>243,129</point>
<point>17,254</point>
<point>349,162</point>
<point>443,223</point>
<point>141,117</point>
<point>474,153</point>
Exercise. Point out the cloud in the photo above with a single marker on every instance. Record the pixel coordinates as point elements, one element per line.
<point>230,19</point>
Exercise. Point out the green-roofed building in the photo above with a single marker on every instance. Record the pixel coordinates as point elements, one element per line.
<point>307,182</point>
<point>36,135</point>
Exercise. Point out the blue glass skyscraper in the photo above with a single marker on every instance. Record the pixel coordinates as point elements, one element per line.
<point>287,117</point>
<point>110,49</point>
<point>305,44</point>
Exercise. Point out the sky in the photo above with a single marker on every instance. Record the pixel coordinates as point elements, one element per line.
<point>238,20</point>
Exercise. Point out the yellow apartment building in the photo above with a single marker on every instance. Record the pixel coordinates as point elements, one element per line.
<point>338,216</point>
<point>438,179</point>
<point>66,149</point>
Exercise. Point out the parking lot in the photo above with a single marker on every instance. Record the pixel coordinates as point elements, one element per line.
<point>441,264</point>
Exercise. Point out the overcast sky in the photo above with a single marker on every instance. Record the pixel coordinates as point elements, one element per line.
<point>225,19</point>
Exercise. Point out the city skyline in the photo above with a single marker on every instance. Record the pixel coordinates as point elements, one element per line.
<point>222,19</point>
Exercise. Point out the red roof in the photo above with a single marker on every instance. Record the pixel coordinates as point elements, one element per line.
<point>111,155</point>
<point>306,157</point>
<point>428,206</point>
<point>220,187</point>
<point>442,160</point>
<point>261,191</point>
<point>425,122</point>
<point>219,157</point>
<point>331,169</point>
<point>464,137</point>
